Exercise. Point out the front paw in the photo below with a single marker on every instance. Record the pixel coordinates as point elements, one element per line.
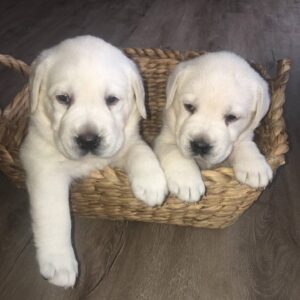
<point>150,187</point>
<point>59,268</point>
<point>187,185</point>
<point>256,173</point>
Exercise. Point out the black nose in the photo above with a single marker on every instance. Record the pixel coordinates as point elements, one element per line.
<point>200,147</point>
<point>88,141</point>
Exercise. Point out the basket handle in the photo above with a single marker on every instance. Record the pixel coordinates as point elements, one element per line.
<point>279,138</point>
<point>20,66</point>
<point>15,64</point>
<point>282,72</point>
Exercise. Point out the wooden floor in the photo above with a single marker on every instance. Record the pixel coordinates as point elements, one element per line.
<point>256,258</point>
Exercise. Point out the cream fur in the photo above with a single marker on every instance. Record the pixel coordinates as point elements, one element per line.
<point>216,85</point>
<point>88,69</point>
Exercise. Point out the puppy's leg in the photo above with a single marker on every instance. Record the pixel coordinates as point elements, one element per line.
<point>48,191</point>
<point>183,174</point>
<point>249,165</point>
<point>145,174</point>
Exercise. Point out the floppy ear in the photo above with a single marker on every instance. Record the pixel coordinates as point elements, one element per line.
<point>173,82</point>
<point>38,68</point>
<point>138,89</point>
<point>262,102</point>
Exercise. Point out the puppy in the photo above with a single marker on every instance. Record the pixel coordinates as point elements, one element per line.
<point>86,101</point>
<point>214,103</point>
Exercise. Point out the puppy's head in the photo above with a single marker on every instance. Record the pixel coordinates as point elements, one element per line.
<point>84,89</point>
<point>212,101</point>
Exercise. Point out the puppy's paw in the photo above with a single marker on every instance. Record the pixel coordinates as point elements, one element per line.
<point>150,187</point>
<point>186,185</point>
<point>59,268</point>
<point>256,173</point>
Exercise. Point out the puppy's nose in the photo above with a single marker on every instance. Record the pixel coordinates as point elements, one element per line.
<point>88,141</point>
<point>200,147</point>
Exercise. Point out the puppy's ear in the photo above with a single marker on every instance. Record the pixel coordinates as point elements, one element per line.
<point>38,70</point>
<point>138,89</point>
<point>261,102</point>
<point>173,82</point>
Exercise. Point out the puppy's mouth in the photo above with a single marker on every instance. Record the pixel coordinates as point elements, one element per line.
<point>74,152</point>
<point>213,158</point>
<point>208,154</point>
<point>91,144</point>
<point>79,154</point>
<point>83,153</point>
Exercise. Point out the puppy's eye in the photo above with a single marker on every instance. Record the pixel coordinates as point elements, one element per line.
<point>64,99</point>
<point>189,107</point>
<point>111,100</point>
<point>230,118</point>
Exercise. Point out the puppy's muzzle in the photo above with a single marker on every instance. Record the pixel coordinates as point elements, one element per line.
<point>88,142</point>
<point>200,147</point>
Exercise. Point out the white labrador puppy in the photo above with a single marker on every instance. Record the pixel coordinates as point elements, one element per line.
<point>214,103</point>
<point>86,101</point>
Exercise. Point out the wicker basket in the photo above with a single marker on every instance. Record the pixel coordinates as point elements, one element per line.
<point>107,194</point>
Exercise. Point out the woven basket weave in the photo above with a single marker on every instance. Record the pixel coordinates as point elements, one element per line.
<point>107,194</point>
